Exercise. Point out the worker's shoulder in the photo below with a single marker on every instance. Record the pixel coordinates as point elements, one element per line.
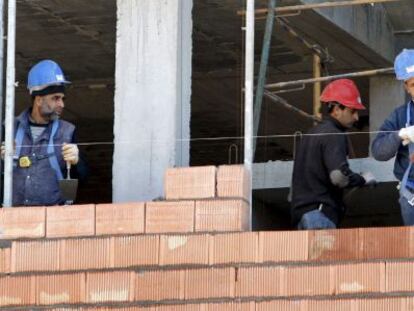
<point>66,125</point>
<point>326,127</point>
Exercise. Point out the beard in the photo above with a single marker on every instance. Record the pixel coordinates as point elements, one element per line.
<point>48,113</point>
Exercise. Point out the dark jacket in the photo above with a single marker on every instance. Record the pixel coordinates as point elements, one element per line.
<point>319,158</point>
<point>38,184</point>
<point>387,145</point>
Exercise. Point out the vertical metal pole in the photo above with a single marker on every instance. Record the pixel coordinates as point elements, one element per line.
<point>317,86</point>
<point>9,120</point>
<point>1,74</point>
<point>263,69</point>
<point>248,102</point>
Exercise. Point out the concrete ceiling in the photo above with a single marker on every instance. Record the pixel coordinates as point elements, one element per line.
<point>81,36</point>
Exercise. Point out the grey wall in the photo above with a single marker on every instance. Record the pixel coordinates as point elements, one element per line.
<point>152,95</point>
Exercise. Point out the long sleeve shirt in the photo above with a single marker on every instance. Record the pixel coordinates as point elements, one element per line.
<point>321,156</point>
<point>388,144</point>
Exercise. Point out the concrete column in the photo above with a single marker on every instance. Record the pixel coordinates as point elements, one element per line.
<point>152,95</point>
<point>385,94</point>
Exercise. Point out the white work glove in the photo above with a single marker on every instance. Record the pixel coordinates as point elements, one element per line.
<point>369,179</point>
<point>407,135</point>
<point>70,153</point>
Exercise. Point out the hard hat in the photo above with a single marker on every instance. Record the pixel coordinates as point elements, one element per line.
<point>404,65</point>
<point>45,74</point>
<point>343,91</point>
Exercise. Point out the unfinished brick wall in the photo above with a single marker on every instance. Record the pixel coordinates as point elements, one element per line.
<point>150,256</point>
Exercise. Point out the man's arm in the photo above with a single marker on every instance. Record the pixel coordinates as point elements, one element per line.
<point>335,158</point>
<point>386,144</point>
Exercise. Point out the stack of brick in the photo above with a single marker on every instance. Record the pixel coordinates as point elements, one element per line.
<point>103,258</point>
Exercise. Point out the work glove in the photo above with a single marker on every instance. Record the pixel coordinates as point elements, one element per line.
<point>407,135</point>
<point>70,153</point>
<point>369,179</point>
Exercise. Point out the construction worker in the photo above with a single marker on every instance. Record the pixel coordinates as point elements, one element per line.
<point>321,171</point>
<point>397,138</point>
<point>43,142</point>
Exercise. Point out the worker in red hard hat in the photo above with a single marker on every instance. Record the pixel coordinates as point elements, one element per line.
<point>321,170</point>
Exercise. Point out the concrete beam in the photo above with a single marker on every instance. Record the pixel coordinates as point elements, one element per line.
<point>152,95</point>
<point>278,174</point>
<point>369,24</point>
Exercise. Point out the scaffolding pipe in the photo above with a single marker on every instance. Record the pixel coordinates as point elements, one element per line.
<point>9,120</point>
<point>248,103</point>
<point>279,100</point>
<point>329,78</point>
<point>328,4</point>
<point>1,74</point>
<point>267,39</point>
<point>317,86</point>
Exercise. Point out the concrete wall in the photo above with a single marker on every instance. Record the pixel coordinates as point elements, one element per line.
<point>385,93</point>
<point>368,24</point>
<point>152,95</point>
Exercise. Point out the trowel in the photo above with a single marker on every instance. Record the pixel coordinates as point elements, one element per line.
<point>68,187</point>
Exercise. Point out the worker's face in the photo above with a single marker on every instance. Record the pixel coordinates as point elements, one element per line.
<point>51,106</point>
<point>347,117</point>
<point>409,87</point>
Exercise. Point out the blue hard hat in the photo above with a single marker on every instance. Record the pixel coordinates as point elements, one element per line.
<point>44,74</point>
<point>404,65</point>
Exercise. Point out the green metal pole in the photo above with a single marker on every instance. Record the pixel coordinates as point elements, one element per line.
<point>263,69</point>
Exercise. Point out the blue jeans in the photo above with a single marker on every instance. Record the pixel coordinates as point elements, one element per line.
<point>407,212</point>
<point>315,220</point>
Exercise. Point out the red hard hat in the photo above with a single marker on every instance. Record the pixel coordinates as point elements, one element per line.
<point>343,91</point>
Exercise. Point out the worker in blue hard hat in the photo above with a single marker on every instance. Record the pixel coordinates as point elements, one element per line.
<point>396,137</point>
<point>44,144</point>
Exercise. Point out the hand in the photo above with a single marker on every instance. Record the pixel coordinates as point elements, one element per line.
<point>70,153</point>
<point>369,179</point>
<point>3,149</point>
<point>407,135</point>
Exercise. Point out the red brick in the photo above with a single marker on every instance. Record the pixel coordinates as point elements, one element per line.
<point>222,215</point>
<point>281,305</point>
<point>235,248</point>
<point>359,278</point>
<point>159,285</point>
<point>35,256</point>
<point>399,277</point>
<point>120,218</point>
<point>82,254</point>
<point>230,306</point>
<point>109,286</point>
<point>60,289</point>
<point>259,282</point>
<point>333,305</point>
<point>334,245</point>
<point>209,283</point>
<point>307,281</point>
<point>184,249</point>
<point>283,246</point>
<point>17,291</point>
<point>383,243</point>
<point>22,222</point>
<point>190,183</point>
<point>5,260</point>
<point>233,181</point>
<point>170,217</point>
<point>67,221</point>
<point>186,307</point>
<point>383,304</point>
<point>135,251</point>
